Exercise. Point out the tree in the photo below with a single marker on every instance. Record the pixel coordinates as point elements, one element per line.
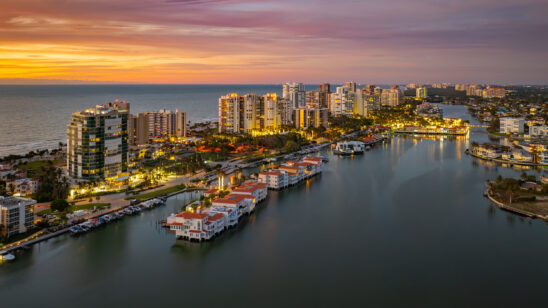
<point>59,205</point>
<point>3,191</point>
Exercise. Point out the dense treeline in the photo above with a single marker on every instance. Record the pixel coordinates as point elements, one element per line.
<point>53,185</point>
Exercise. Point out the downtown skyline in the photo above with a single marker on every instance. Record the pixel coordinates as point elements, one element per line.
<point>262,42</point>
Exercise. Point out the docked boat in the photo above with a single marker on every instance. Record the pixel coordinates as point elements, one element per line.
<point>7,257</point>
<point>349,148</point>
<point>75,229</point>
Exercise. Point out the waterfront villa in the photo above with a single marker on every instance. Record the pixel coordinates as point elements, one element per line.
<point>210,192</point>
<point>225,212</point>
<point>274,179</point>
<point>258,191</point>
<point>230,215</point>
<point>291,173</point>
<point>314,160</point>
<point>203,226</point>
<point>196,226</point>
<point>245,204</point>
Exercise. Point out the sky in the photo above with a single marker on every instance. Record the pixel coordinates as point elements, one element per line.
<point>245,41</point>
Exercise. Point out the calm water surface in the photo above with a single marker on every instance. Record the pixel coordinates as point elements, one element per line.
<point>403,225</point>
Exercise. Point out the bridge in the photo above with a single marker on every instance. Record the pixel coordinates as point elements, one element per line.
<point>479,125</point>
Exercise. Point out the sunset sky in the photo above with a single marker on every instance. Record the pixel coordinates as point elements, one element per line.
<point>244,41</point>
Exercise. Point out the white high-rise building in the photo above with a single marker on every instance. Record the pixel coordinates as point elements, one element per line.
<point>343,101</point>
<point>295,93</point>
<point>229,113</point>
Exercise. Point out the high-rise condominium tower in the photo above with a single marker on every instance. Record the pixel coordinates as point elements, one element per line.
<point>97,142</point>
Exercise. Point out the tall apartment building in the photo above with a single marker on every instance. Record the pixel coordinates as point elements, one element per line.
<point>325,91</point>
<point>295,93</point>
<point>421,92</point>
<point>360,105</point>
<point>138,129</point>
<point>97,142</point>
<point>242,114</point>
<point>311,117</point>
<point>391,97</point>
<point>164,123</point>
<point>313,99</point>
<point>491,92</point>
<point>272,111</point>
<point>16,215</point>
<point>474,90</point>
<point>342,101</point>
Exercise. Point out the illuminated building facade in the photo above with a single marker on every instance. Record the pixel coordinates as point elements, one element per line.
<point>97,142</point>
<point>243,114</point>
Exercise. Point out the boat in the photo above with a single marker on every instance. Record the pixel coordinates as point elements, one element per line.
<point>75,229</point>
<point>8,257</point>
<point>349,148</point>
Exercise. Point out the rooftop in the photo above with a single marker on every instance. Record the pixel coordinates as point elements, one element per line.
<point>15,201</point>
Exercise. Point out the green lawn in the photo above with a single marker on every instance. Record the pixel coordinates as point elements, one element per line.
<point>33,167</point>
<point>154,194</point>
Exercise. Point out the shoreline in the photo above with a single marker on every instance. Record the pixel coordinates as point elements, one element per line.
<point>121,203</point>
<point>502,161</point>
<point>514,210</point>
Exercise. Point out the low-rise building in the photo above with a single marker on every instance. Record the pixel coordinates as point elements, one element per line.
<point>23,187</point>
<point>537,131</point>
<point>245,204</point>
<point>258,191</point>
<point>16,215</point>
<point>6,175</point>
<point>512,125</point>
<point>190,226</point>
<point>210,192</point>
<point>295,173</point>
<point>274,179</point>
<point>318,161</point>
<point>230,215</point>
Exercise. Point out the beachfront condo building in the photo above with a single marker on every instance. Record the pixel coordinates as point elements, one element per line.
<point>16,215</point>
<point>251,112</point>
<point>147,126</point>
<point>295,93</point>
<point>97,142</point>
